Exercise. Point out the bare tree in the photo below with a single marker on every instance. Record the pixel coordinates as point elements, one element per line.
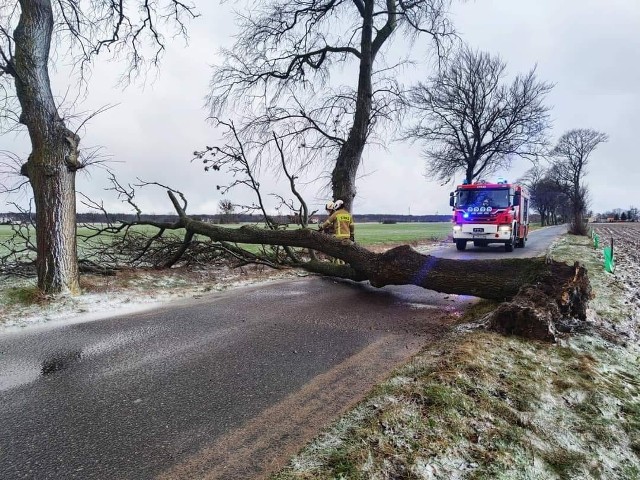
<point>85,29</point>
<point>282,60</point>
<point>473,122</point>
<point>552,199</point>
<point>572,154</point>
<point>548,196</point>
<point>226,208</point>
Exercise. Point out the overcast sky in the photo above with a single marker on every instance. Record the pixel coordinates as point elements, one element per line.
<point>590,49</point>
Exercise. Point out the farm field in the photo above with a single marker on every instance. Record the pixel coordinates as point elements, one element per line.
<point>366,233</point>
<point>377,233</point>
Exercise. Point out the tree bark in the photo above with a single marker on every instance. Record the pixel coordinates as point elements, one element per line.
<point>343,177</point>
<point>53,161</point>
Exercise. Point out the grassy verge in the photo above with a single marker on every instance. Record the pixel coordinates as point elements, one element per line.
<point>22,295</point>
<point>484,406</point>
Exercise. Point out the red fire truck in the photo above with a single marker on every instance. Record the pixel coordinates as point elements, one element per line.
<point>487,213</point>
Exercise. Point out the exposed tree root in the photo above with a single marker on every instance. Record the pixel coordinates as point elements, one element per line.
<point>541,310</point>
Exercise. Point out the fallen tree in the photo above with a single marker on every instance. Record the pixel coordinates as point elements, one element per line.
<point>539,296</point>
<point>539,292</point>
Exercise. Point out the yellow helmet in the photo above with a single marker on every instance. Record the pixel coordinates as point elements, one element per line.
<point>330,206</point>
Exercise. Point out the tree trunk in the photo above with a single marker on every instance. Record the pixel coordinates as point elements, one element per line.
<point>343,177</point>
<point>578,227</point>
<point>541,292</point>
<point>491,279</point>
<point>578,224</point>
<point>53,161</point>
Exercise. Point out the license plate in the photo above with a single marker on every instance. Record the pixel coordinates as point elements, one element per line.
<point>478,230</point>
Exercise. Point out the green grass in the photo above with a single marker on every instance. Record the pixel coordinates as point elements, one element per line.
<point>22,295</point>
<point>366,233</point>
<point>377,233</point>
<point>380,234</point>
<point>5,233</point>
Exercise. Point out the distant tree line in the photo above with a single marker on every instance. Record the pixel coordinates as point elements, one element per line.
<point>619,215</point>
<point>559,192</point>
<point>222,218</point>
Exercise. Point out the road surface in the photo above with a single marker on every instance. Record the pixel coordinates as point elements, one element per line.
<point>537,244</point>
<point>226,386</point>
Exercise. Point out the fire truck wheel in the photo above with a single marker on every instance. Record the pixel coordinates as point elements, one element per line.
<point>508,247</point>
<point>461,244</point>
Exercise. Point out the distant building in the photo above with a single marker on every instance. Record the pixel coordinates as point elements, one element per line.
<point>8,221</point>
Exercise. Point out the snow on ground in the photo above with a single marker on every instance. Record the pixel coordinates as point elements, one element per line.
<point>128,292</point>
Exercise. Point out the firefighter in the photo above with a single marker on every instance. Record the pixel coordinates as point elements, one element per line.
<point>341,222</point>
<point>329,228</point>
<point>482,200</point>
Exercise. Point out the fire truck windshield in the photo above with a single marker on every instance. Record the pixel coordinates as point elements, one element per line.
<point>486,197</point>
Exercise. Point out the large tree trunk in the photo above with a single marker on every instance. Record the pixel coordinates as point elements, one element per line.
<point>541,292</point>
<point>343,177</point>
<point>53,161</point>
<point>578,227</point>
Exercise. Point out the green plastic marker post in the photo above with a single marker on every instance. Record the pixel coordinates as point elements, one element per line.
<point>596,240</point>
<point>609,262</point>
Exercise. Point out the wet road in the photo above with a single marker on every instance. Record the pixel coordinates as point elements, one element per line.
<point>226,386</point>
<point>537,244</point>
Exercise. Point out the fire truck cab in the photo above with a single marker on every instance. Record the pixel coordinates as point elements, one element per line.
<point>487,213</point>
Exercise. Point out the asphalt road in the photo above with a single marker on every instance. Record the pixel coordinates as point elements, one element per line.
<point>227,386</point>
<point>537,244</point>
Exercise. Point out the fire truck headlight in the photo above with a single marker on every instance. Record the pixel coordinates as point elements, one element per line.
<point>504,228</point>
<point>457,228</point>
<point>465,215</point>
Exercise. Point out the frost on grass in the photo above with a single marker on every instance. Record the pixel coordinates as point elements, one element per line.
<point>483,406</point>
<point>129,291</point>
<point>323,447</point>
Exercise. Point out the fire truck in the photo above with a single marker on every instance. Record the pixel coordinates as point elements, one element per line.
<point>485,213</point>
